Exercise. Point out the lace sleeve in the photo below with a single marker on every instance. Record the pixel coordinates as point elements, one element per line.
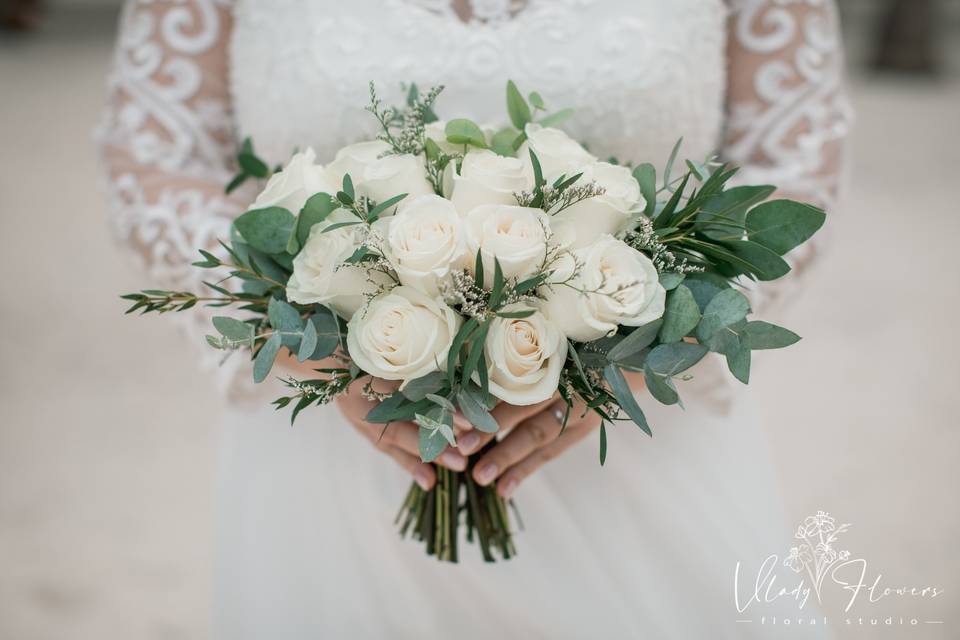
<point>788,114</point>
<point>167,139</point>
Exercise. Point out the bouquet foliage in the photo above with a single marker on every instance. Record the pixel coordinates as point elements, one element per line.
<point>476,265</point>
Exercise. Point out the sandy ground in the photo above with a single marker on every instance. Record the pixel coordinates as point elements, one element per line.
<point>106,491</point>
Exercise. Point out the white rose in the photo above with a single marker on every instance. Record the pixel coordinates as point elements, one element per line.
<point>525,357</point>
<point>617,285</point>
<point>293,186</point>
<point>321,277</point>
<point>354,160</point>
<point>605,214</point>
<point>488,178</point>
<point>425,241</point>
<point>516,236</point>
<point>402,335</point>
<point>557,152</point>
<point>392,176</point>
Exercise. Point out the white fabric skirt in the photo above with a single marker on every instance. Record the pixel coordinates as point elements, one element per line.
<point>645,546</point>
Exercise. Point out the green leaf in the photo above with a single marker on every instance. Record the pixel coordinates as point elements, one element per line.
<point>348,187</point>
<point>639,339</point>
<point>383,207</point>
<point>316,209</point>
<point>263,363</point>
<point>704,287</point>
<point>458,341</point>
<point>603,443</point>
<point>728,211</point>
<point>502,142</point>
<point>341,225</point>
<point>252,165</point>
<point>466,132</point>
<point>477,342</point>
<point>669,280</point>
<point>388,409</point>
<point>234,330</point>
<point>681,315</point>
<point>266,229</point>
<point>538,181</point>
<point>516,315</point>
<point>624,396</point>
<point>476,413</point>
<point>781,225</point>
<point>765,264</point>
<point>670,359</point>
<point>440,401</point>
<point>328,333</point>
<point>728,339</point>
<point>235,183</point>
<point>726,308</point>
<point>673,158</point>
<point>763,335</point>
<point>436,432</point>
<point>284,318</point>
<point>517,107</point>
<point>308,343</point>
<point>424,386</point>
<point>739,363</point>
<point>498,284</point>
<point>557,118</point>
<point>478,269</point>
<point>660,387</point>
<point>537,101</point>
<point>646,176</point>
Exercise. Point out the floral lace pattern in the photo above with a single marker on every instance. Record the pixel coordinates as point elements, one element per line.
<point>190,77</point>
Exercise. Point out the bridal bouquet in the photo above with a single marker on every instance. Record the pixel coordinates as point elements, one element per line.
<point>474,265</point>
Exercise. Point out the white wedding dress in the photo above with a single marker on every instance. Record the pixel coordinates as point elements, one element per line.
<point>644,547</point>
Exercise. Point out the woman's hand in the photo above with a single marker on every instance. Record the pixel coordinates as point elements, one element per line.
<point>401,440</point>
<point>536,440</point>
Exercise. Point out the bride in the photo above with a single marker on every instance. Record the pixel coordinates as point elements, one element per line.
<point>646,546</point>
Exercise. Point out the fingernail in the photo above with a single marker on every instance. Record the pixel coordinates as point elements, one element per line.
<point>469,442</point>
<point>508,489</point>
<point>453,460</point>
<point>487,473</point>
<point>461,421</point>
<point>422,478</point>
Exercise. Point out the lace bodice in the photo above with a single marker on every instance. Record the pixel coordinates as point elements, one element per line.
<point>757,80</point>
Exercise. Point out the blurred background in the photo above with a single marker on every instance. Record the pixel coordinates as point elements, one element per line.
<point>107,493</point>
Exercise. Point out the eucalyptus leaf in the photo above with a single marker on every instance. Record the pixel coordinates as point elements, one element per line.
<point>624,396</point>
<point>502,142</point>
<point>670,359</point>
<point>465,132</point>
<point>781,225</point>
<point>234,330</point>
<point>661,387</point>
<point>284,318</point>
<point>681,315</point>
<point>266,229</point>
<point>723,216</point>
<point>263,363</point>
<point>669,280</point>
<point>517,107</point>
<point>557,118</point>
<point>739,363</point>
<point>422,387</point>
<point>328,333</point>
<point>476,413</point>
<point>765,264</point>
<point>646,176</point>
<point>763,335</point>
<point>726,308</point>
<point>316,209</point>
<point>308,343</point>
<point>639,339</point>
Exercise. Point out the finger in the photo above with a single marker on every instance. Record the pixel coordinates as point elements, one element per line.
<point>507,416</point>
<point>529,436</point>
<point>422,473</point>
<point>406,437</point>
<point>511,479</point>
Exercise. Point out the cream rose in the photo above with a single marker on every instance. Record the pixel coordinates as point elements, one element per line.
<point>392,176</point>
<point>354,160</point>
<point>425,241</point>
<point>293,186</point>
<point>617,285</point>
<point>516,236</point>
<point>320,275</point>
<point>557,152</point>
<point>605,214</point>
<point>402,335</point>
<point>488,178</point>
<point>525,357</point>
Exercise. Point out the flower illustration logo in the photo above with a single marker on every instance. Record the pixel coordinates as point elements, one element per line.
<point>816,552</point>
